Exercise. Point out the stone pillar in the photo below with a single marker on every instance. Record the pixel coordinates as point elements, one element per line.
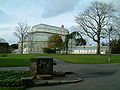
<point>41,66</point>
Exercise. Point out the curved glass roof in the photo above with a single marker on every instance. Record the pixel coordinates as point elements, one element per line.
<point>49,28</point>
<point>2,40</point>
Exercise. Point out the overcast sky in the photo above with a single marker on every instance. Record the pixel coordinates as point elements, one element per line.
<point>52,12</point>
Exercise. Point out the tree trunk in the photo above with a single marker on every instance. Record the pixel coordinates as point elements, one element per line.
<point>98,47</point>
<point>98,39</point>
<point>66,49</point>
<point>21,47</point>
<point>66,44</point>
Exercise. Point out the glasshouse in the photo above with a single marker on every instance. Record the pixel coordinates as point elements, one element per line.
<point>38,37</point>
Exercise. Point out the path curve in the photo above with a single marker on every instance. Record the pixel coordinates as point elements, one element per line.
<point>59,62</point>
<point>96,76</point>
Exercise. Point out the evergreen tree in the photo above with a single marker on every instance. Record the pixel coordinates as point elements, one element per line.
<point>115,46</point>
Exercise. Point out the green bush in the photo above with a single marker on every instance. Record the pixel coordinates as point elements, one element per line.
<point>115,46</point>
<point>3,55</point>
<point>4,47</point>
<point>12,77</point>
<point>49,50</point>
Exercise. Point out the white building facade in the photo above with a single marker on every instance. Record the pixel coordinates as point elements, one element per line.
<point>37,38</point>
<point>92,49</point>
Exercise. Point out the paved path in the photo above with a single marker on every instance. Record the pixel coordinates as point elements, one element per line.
<point>14,68</point>
<point>96,76</point>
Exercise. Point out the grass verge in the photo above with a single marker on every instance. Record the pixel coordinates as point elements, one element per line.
<point>13,60</point>
<point>86,59</point>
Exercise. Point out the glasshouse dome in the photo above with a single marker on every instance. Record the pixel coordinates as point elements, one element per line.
<point>2,40</point>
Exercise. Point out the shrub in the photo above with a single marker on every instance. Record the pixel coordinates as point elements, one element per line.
<point>115,46</point>
<point>12,78</point>
<point>3,55</point>
<point>4,47</point>
<point>49,50</point>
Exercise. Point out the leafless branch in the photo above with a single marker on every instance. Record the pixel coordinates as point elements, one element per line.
<point>21,32</point>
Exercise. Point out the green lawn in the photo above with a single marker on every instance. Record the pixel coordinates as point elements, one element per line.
<point>16,59</point>
<point>87,59</point>
<point>23,60</point>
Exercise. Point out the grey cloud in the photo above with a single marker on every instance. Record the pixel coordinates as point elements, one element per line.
<point>4,18</point>
<point>2,13</point>
<point>55,7</point>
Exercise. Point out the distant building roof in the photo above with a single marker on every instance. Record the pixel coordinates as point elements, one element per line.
<point>89,47</point>
<point>44,28</point>
<point>49,26</point>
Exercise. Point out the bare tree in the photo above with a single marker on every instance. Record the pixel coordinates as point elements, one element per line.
<point>94,21</point>
<point>116,24</point>
<point>21,32</point>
